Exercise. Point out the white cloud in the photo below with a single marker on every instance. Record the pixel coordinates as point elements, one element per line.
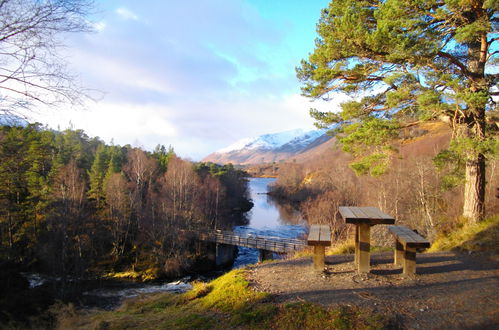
<point>99,26</point>
<point>127,14</point>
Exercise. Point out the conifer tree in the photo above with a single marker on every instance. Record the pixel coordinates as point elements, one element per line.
<point>408,61</point>
<point>98,173</point>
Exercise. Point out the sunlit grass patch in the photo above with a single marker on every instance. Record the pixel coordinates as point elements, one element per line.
<point>226,298</point>
<point>148,274</point>
<point>346,247</point>
<point>307,252</point>
<point>230,292</point>
<point>483,236</point>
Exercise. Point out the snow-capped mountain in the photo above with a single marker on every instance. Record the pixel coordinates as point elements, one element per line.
<point>274,141</point>
<point>269,148</point>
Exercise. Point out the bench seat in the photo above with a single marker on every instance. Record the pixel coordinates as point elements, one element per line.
<point>406,243</point>
<point>319,237</point>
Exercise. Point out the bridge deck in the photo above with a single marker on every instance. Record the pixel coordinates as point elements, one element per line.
<point>275,244</point>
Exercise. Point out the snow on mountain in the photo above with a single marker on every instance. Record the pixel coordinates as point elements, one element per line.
<point>269,147</point>
<point>274,141</point>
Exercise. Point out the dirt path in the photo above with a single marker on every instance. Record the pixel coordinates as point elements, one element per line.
<point>451,291</point>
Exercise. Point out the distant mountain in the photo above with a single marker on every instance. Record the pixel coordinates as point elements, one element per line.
<point>270,148</point>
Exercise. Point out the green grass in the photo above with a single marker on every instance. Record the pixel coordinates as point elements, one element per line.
<point>227,302</point>
<point>483,236</point>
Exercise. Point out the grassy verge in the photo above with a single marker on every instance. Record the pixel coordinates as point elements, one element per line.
<point>483,236</point>
<point>227,302</point>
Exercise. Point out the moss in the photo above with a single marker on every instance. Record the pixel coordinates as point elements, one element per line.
<point>482,236</point>
<point>231,292</point>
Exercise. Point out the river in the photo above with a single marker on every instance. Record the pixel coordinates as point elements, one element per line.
<point>267,218</point>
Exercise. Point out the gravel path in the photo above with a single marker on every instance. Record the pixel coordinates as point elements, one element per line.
<point>450,291</point>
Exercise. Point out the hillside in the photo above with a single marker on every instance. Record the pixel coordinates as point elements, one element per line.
<point>317,147</point>
<point>422,140</point>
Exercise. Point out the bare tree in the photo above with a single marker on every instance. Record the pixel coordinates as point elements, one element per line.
<point>118,211</point>
<point>67,219</point>
<point>32,70</point>
<point>181,191</point>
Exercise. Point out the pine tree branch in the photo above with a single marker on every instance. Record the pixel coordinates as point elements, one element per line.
<point>456,62</point>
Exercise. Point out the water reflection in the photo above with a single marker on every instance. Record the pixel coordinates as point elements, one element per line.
<point>266,212</point>
<point>288,215</point>
<point>267,218</point>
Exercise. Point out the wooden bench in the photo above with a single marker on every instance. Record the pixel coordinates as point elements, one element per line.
<point>406,243</point>
<point>319,237</point>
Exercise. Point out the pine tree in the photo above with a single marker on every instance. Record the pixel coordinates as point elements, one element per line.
<point>98,173</point>
<point>163,156</point>
<point>409,61</point>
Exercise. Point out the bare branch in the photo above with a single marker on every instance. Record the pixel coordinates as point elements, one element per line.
<point>30,40</point>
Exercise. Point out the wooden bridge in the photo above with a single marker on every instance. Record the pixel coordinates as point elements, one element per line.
<point>267,243</point>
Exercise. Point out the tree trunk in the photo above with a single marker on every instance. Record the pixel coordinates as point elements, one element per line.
<point>474,189</point>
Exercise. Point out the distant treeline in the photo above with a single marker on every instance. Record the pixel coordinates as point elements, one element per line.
<point>71,205</point>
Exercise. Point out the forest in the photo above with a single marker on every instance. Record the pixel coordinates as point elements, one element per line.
<point>74,207</point>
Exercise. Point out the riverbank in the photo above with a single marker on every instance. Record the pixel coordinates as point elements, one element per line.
<point>227,302</point>
<point>452,290</point>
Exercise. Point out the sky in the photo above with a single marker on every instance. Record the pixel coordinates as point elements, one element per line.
<point>197,75</point>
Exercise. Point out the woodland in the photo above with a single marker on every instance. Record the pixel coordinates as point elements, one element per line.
<point>76,208</point>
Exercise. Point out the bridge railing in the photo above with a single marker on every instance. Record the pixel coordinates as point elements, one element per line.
<point>275,244</point>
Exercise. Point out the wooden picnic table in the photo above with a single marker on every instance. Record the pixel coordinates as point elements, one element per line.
<point>363,218</point>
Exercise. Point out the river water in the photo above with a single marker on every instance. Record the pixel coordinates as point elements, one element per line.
<point>267,218</point>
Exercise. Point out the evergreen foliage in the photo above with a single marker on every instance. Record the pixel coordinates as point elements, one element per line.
<point>405,61</point>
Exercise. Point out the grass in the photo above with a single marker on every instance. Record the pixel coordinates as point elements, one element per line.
<point>483,236</point>
<point>226,302</point>
<point>346,247</point>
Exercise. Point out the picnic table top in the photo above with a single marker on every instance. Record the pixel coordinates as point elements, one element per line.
<point>365,215</point>
<point>319,235</point>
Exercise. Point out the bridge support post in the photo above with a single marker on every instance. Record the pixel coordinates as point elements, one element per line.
<point>225,254</point>
<point>265,255</point>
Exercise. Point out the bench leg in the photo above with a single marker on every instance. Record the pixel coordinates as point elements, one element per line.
<point>319,257</point>
<point>357,247</point>
<point>364,248</point>
<point>398,256</point>
<point>409,261</point>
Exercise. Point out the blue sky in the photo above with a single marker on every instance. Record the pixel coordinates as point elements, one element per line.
<point>197,75</point>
